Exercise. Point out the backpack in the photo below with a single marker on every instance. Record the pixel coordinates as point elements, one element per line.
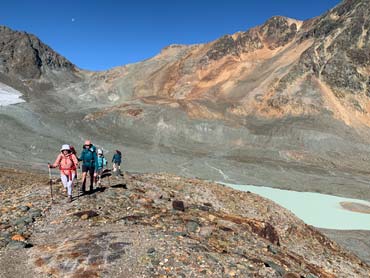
<point>73,150</point>
<point>72,166</point>
<point>64,158</point>
<point>102,162</point>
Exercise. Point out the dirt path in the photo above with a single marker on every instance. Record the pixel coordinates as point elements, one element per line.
<point>72,242</point>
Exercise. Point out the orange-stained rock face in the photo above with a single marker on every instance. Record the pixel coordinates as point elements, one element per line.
<point>284,67</point>
<point>18,237</point>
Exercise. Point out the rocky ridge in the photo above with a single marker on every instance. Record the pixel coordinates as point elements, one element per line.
<point>28,64</point>
<point>283,68</point>
<point>159,225</point>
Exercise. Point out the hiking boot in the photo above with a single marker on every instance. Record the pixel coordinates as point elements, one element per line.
<point>69,200</point>
<point>91,188</point>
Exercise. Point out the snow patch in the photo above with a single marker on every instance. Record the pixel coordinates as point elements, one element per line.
<point>9,95</point>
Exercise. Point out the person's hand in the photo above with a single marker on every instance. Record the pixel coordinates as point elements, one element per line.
<point>95,175</point>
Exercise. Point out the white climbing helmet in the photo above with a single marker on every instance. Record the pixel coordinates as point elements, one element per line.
<point>65,147</point>
<point>100,151</point>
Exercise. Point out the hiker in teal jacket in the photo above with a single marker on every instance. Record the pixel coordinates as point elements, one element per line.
<point>88,157</point>
<point>101,163</point>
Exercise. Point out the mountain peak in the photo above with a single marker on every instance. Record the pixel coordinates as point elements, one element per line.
<point>25,56</point>
<point>279,30</point>
<point>274,33</point>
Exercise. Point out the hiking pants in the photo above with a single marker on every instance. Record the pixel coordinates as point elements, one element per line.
<point>67,182</point>
<point>89,170</point>
<point>117,168</point>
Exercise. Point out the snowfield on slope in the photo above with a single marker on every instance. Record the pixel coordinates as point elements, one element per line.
<point>9,95</point>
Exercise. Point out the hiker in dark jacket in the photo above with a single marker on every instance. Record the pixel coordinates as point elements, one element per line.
<point>116,160</point>
<point>88,157</point>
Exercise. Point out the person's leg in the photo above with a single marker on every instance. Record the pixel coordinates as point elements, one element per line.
<point>64,180</point>
<point>91,171</point>
<point>84,171</point>
<point>116,170</point>
<point>96,180</point>
<point>70,185</point>
<point>98,177</point>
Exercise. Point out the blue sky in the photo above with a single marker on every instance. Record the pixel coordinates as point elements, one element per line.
<point>99,35</point>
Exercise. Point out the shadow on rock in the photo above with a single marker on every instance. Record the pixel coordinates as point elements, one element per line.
<point>120,185</point>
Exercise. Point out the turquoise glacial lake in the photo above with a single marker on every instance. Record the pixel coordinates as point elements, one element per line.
<point>318,210</point>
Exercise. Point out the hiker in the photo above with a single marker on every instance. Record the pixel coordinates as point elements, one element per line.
<point>67,163</point>
<point>101,163</point>
<point>88,157</point>
<point>116,160</point>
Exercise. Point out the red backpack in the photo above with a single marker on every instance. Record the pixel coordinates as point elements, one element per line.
<point>73,150</point>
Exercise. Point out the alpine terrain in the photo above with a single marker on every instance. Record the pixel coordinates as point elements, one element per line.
<point>285,104</point>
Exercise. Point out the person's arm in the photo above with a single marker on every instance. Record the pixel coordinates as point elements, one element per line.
<point>57,161</point>
<point>82,155</point>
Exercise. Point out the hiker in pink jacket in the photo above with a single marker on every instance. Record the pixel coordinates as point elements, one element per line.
<point>67,163</point>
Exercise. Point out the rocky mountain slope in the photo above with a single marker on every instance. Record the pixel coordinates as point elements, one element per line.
<point>158,225</point>
<point>28,64</point>
<point>282,104</point>
<point>282,68</point>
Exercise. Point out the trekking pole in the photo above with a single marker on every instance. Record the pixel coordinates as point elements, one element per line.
<point>51,183</point>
